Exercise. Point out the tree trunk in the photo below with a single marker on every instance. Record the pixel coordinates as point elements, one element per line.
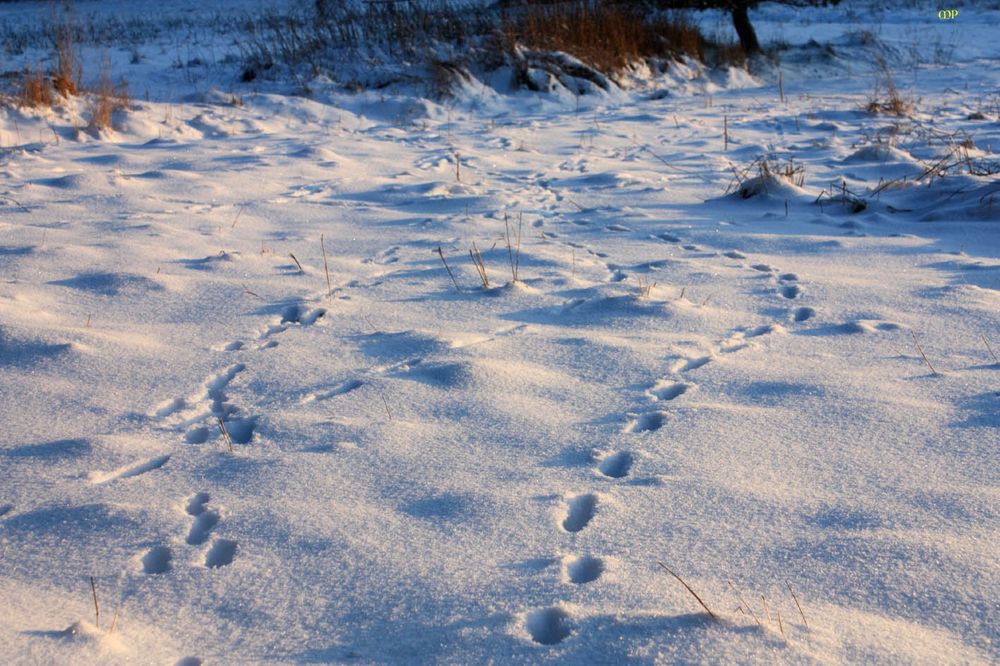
<point>741,21</point>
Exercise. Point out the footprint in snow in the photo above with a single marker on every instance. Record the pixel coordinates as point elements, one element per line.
<point>648,422</point>
<point>300,314</point>
<point>665,390</point>
<point>130,471</point>
<point>548,626</point>
<point>584,569</point>
<point>765,329</point>
<point>803,314</point>
<point>221,554</point>
<point>580,510</point>
<point>616,465</point>
<point>791,291</point>
<point>157,560</point>
<point>688,364</point>
<point>205,519</point>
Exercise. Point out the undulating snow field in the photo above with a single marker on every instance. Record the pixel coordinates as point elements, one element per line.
<point>729,385</point>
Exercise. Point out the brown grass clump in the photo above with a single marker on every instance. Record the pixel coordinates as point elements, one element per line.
<point>36,90</point>
<point>606,36</point>
<point>892,102</point>
<point>107,99</point>
<point>68,71</point>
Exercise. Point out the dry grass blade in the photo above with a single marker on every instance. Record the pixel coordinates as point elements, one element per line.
<point>246,290</point>
<point>744,602</point>
<point>296,262</point>
<point>450,274</point>
<point>326,268</point>
<point>920,349</point>
<point>97,607</point>
<point>797,604</point>
<point>688,588</point>
<point>990,349</point>
<point>513,253</point>
<point>477,260</point>
<point>225,433</point>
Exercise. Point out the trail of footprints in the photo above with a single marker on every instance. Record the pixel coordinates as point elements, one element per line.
<point>221,552</point>
<point>554,624</point>
<point>198,416</point>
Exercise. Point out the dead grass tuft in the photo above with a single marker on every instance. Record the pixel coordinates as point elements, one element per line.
<point>886,99</point>
<point>607,36</point>
<point>107,99</point>
<point>68,71</point>
<point>36,90</point>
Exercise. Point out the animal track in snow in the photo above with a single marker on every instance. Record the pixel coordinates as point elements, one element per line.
<point>129,471</point>
<point>688,364</point>
<point>616,465</point>
<point>241,429</point>
<point>169,407</point>
<point>790,291</point>
<point>764,330</point>
<point>299,314</point>
<point>665,389</point>
<point>215,390</point>
<point>204,519</point>
<point>157,560</point>
<point>580,511</point>
<point>734,254</point>
<point>648,422</point>
<point>345,387</point>
<point>221,553</point>
<point>388,256</point>
<point>584,569</point>
<point>548,626</point>
<point>803,314</point>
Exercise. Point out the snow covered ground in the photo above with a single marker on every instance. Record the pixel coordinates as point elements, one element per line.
<point>725,378</point>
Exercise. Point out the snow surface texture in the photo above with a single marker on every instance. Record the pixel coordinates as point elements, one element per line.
<point>727,383</point>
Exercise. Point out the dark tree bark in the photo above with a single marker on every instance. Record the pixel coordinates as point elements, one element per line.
<point>747,35</point>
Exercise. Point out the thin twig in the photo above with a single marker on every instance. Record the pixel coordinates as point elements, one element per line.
<point>797,604</point>
<point>237,218</point>
<point>246,290</point>
<point>16,203</point>
<point>688,588</point>
<point>450,274</point>
<point>97,608</point>
<point>995,359</point>
<point>477,259</point>
<point>326,269</point>
<point>225,433</point>
<point>935,372</point>
<point>385,403</point>
<point>743,601</point>
<point>296,262</point>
